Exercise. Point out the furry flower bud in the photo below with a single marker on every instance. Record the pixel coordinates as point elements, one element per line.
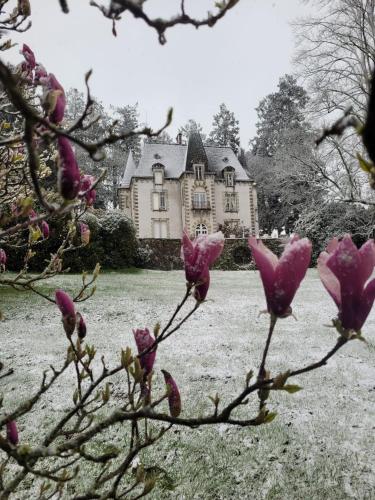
<point>90,194</point>
<point>144,340</point>
<point>85,233</point>
<point>29,56</point>
<point>67,309</point>
<point>58,110</point>
<point>45,229</point>
<point>12,432</point>
<point>69,176</point>
<point>174,398</point>
<point>81,326</point>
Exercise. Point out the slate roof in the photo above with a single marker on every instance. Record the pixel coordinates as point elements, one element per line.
<point>129,171</point>
<point>177,159</point>
<point>195,151</point>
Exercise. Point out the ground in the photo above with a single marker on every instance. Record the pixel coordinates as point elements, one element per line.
<point>321,444</point>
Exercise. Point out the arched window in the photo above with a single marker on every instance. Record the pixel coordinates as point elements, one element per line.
<point>201,229</point>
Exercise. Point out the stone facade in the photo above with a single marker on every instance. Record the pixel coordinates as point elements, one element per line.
<point>200,188</point>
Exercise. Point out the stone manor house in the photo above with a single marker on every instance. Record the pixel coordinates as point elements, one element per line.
<point>193,186</point>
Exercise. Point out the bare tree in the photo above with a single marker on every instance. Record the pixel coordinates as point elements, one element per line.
<point>335,57</point>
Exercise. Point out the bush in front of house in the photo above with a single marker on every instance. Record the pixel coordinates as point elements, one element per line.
<point>112,244</point>
<point>118,240</point>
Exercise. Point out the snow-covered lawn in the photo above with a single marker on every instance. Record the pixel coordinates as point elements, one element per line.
<point>321,445</point>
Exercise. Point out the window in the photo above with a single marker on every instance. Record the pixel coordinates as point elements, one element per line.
<point>162,201</point>
<point>158,177</point>
<point>159,200</point>
<point>201,229</point>
<point>158,170</point>
<point>229,176</point>
<point>199,200</point>
<point>127,201</point>
<point>199,172</point>
<point>231,202</point>
<point>160,229</point>
<point>229,179</point>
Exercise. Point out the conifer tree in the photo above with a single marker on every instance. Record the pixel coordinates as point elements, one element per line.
<point>225,131</point>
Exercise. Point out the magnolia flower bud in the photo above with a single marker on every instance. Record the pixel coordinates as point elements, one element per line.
<point>85,233</point>
<point>90,194</point>
<point>12,433</point>
<point>69,176</point>
<point>66,306</point>
<point>45,229</point>
<point>174,398</point>
<point>28,54</point>
<point>198,256</point>
<point>81,326</point>
<point>57,114</point>
<point>144,340</point>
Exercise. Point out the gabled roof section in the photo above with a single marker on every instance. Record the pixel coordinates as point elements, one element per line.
<point>129,171</point>
<point>195,151</point>
<point>178,158</point>
<point>220,157</point>
<point>171,156</point>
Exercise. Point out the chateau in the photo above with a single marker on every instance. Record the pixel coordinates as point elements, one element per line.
<point>193,186</point>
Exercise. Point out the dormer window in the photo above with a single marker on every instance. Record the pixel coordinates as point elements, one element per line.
<point>229,176</point>
<point>158,171</point>
<point>199,172</point>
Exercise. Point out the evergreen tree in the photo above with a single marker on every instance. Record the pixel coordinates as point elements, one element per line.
<point>278,112</point>
<point>281,153</point>
<point>128,121</point>
<point>192,126</point>
<point>225,130</point>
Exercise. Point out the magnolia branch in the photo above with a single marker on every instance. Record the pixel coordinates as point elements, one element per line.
<point>161,25</point>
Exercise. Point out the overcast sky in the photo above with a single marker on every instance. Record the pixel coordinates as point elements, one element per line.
<point>238,62</point>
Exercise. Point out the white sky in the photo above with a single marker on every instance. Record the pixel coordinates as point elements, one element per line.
<point>238,61</point>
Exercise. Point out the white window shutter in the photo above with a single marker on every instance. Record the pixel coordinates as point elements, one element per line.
<point>155,201</point>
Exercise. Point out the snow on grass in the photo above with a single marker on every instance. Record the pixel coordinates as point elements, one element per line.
<point>321,444</point>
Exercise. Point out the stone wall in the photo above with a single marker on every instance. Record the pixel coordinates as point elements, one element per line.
<point>164,254</point>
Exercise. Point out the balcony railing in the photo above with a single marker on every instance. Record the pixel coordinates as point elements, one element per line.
<point>200,205</point>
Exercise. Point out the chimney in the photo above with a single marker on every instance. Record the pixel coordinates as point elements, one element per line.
<point>179,138</point>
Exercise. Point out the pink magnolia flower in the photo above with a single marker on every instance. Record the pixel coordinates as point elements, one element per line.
<point>144,340</point>
<point>281,277</point>
<point>345,272</point>
<point>85,233</point>
<point>174,398</point>
<point>45,229</point>
<point>57,114</point>
<point>29,56</point>
<point>198,256</point>
<point>12,432</point>
<point>40,74</point>
<point>66,306</point>
<point>81,326</point>
<point>90,194</point>
<point>69,175</point>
